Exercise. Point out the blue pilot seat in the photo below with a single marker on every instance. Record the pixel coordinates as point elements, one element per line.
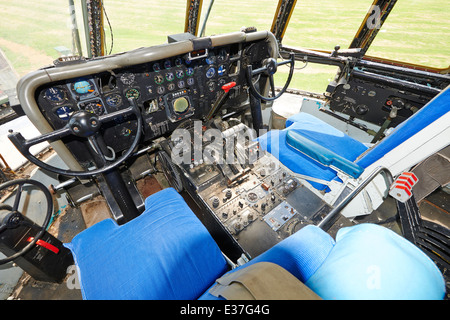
<point>310,147</point>
<point>167,254</point>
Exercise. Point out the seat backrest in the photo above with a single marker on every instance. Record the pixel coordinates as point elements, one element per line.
<point>426,116</point>
<point>367,261</point>
<point>164,254</point>
<point>370,262</point>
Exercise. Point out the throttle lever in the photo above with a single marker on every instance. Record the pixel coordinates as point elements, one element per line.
<point>220,100</point>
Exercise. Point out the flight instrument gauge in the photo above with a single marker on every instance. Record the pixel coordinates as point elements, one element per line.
<point>178,62</point>
<point>55,95</point>
<point>179,74</point>
<point>156,67</point>
<point>170,76</point>
<point>210,72</point>
<point>167,64</point>
<point>127,78</point>
<point>159,79</point>
<point>83,87</point>
<point>94,107</point>
<point>190,72</point>
<point>132,94</point>
<point>114,100</point>
<point>64,112</point>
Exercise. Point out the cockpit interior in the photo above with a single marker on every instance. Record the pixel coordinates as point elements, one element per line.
<point>167,159</point>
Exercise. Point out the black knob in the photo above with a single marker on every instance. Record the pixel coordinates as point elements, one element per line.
<point>215,202</point>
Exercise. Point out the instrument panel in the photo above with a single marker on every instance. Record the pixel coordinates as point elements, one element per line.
<point>374,102</point>
<point>167,91</point>
<point>155,86</point>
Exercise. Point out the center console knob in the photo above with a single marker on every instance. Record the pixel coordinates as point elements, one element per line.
<point>215,202</point>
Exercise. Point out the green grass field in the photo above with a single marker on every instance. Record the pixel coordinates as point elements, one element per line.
<point>417,31</point>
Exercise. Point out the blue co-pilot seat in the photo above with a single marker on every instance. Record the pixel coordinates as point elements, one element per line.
<point>309,146</point>
<point>166,253</point>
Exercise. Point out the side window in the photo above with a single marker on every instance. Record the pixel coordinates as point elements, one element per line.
<point>416,32</point>
<point>322,25</point>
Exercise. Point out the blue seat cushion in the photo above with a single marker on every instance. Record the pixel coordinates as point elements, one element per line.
<point>372,262</point>
<point>165,253</point>
<point>319,132</point>
<point>301,254</point>
<point>366,262</point>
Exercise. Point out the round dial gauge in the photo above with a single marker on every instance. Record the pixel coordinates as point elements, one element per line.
<point>94,107</point>
<point>190,72</point>
<point>167,64</point>
<point>180,74</point>
<point>159,79</point>
<point>211,86</point>
<point>252,197</point>
<point>114,100</point>
<point>170,76</point>
<point>160,90</point>
<point>178,62</point>
<point>64,113</point>
<point>210,73</point>
<point>222,70</point>
<point>55,95</point>
<point>127,78</point>
<point>83,87</point>
<point>132,93</point>
<point>156,67</point>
